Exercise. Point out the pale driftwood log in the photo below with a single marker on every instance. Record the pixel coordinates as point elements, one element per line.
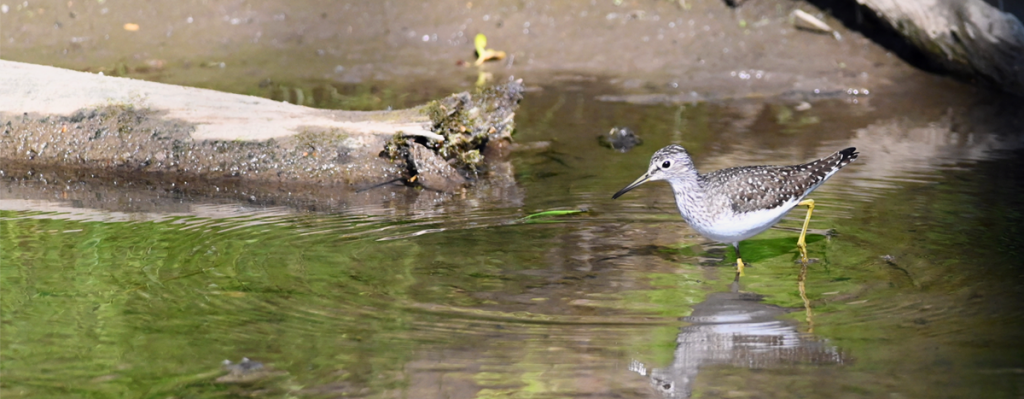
<point>968,38</point>
<point>55,120</point>
<point>216,115</point>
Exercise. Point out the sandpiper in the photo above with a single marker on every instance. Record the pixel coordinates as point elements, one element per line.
<point>734,204</point>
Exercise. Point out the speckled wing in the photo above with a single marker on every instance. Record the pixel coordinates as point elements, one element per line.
<point>753,188</point>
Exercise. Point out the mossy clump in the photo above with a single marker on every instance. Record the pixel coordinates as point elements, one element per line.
<point>467,122</point>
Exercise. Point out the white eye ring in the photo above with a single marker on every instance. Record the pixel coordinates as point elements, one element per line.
<point>666,164</point>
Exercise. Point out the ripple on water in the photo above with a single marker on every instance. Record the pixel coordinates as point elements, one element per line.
<point>917,295</point>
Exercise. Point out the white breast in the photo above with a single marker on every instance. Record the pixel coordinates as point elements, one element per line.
<point>729,227</point>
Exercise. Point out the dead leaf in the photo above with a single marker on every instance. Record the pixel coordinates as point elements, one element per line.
<point>483,53</point>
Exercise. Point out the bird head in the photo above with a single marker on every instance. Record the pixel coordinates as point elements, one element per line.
<point>666,163</point>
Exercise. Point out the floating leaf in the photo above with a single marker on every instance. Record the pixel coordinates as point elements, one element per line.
<point>560,212</point>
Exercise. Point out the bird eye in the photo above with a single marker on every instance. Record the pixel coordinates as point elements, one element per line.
<point>666,164</point>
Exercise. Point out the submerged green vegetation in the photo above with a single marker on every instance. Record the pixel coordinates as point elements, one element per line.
<point>96,309</point>
<point>915,290</point>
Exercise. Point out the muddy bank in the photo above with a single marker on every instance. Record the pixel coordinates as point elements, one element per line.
<point>305,51</point>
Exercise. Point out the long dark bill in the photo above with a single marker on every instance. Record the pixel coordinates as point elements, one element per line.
<point>643,179</point>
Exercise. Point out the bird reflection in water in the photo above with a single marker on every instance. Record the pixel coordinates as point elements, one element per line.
<point>738,329</point>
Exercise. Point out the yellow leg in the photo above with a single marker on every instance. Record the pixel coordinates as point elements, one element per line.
<point>802,243</point>
<point>739,259</point>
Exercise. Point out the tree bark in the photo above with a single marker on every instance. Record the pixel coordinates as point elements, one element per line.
<point>967,38</point>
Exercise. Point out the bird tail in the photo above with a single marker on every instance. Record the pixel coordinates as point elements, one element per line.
<point>846,156</point>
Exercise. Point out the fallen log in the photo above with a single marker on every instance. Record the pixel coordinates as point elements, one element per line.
<point>966,38</point>
<point>72,123</point>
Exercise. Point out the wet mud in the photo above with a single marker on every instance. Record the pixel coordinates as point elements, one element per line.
<point>338,54</point>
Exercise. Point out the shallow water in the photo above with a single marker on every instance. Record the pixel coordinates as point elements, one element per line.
<point>916,291</point>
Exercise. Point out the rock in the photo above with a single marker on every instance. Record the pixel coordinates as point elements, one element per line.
<point>620,139</point>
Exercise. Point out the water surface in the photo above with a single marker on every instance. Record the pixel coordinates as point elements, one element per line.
<point>915,292</point>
